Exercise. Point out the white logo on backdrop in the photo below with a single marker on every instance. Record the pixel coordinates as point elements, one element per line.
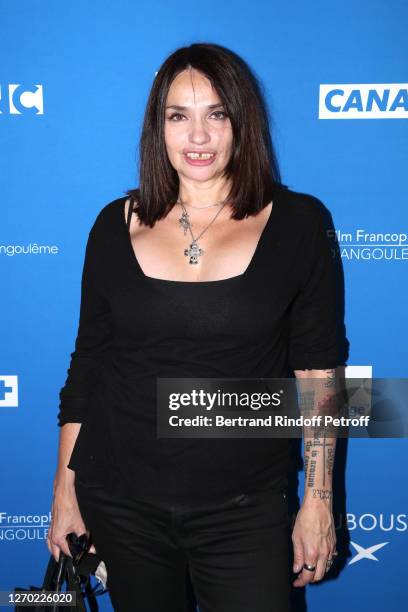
<point>363,245</point>
<point>370,522</point>
<point>383,522</point>
<point>365,553</point>
<point>15,99</point>
<point>355,371</point>
<point>359,399</point>
<point>8,391</point>
<point>24,526</point>
<point>363,101</point>
<point>33,248</point>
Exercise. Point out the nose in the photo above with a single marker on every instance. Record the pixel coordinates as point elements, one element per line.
<point>199,133</point>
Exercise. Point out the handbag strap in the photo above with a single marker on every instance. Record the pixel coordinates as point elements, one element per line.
<point>49,574</point>
<point>55,573</point>
<point>73,584</point>
<point>59,572</point>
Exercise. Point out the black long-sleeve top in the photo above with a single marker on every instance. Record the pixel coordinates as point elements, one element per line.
<point>276,316</point>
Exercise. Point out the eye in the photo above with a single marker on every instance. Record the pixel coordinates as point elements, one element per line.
<point>178,116</point>
<point>224,115</point>
<point>172,117</point>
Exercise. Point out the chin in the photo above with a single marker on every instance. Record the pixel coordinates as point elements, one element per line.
<point>203,173</point>
<point>200,176</point>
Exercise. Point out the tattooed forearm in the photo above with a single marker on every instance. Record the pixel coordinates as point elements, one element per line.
<point>318,396</point>
<point>318,460</point>
<point>311,473</point>
<point>323,493</point>
<point>330,382</point>
<point>330,460</point>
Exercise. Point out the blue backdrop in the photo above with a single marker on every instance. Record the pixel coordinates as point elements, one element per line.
<point>73,85</point>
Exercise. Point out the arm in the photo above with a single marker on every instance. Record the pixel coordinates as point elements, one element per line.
<point>94,337</point>
<point>66,517</point>
<point>313,356</point>
<point>314,536</point>
<point>65,477</point>
<point>319,449</point>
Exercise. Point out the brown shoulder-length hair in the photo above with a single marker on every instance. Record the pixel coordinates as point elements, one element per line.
<point>252,167</point>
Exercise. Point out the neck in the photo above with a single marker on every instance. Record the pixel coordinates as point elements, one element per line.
<point>201,195</point>
<point>200,206</point>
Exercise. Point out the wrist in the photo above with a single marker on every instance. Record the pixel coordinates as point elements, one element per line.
<point>64,480</point>
<point>318,496</point>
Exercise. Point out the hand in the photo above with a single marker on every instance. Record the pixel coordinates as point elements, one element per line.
<point>314,540</point>
<point>66,518</point>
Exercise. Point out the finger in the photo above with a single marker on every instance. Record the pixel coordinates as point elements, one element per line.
<point>82,531</point>
<point>65,548</point>
<point>55,551</point>
<point>92,549</point>
<point>298,556</point>
<point>332,556</point>
<point>49,545</point>
<point>62,544</point>
<point>303,578</point>
<point>306,576</point>
<point>320,569</point>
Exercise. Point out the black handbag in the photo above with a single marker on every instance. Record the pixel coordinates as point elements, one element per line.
<point>74,572</point>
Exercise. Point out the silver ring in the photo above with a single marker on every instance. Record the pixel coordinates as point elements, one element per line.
<point>309,567</point>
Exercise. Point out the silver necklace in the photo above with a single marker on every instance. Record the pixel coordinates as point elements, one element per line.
<point>194,251</point>
<point>201,207</point>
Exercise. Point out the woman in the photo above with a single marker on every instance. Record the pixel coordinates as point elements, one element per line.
<point>210,269</point>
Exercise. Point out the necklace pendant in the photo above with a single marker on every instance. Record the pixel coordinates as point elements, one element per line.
<point>184,222</point>
<point>193,252</point>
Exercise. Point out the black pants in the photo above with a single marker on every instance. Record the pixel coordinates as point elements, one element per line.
<point>236,552</point>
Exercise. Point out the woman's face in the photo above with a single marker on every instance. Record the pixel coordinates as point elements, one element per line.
<point>197,133</point>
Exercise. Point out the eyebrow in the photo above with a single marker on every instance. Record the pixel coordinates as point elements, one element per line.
<point>182,108</point>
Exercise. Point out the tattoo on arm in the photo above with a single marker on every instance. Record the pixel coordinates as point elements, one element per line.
<point>319,449</point>
<point>323,493</point>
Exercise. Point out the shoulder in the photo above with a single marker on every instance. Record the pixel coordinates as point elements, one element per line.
<point>302,216</point>
<point>106,226</point>
<point>110,212</point>
<point>301,208</point>
<point>108,221</point>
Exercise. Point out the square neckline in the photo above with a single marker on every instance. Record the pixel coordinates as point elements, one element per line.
<point>244,274</point>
